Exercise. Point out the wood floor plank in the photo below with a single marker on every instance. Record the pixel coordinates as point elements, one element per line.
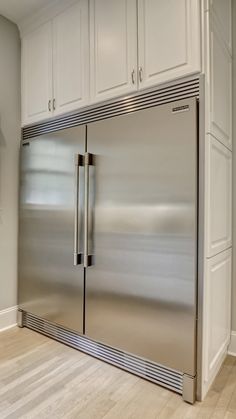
<point>59,403</point>
<point>79,392</point>
<point>229,415</point>
<point>43,379</point>
<point>232,403</point>
<point>226,390</point>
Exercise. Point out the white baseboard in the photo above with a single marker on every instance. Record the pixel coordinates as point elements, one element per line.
<point>232,345</point>
<point>8,318</point>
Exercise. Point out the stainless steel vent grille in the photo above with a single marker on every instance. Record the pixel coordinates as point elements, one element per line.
<point>133,103</point>
<point>158,374</point>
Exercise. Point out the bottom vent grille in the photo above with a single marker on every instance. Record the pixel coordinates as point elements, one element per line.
<point>158,374</point>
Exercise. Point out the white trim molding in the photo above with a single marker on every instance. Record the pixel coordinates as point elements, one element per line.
<point>8,318</point>
<point>232,345</point>
<point>43,15</point>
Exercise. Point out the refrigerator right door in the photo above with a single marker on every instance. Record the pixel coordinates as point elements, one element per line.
<point>141,288</point>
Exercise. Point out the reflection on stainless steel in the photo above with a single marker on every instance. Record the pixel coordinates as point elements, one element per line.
<point>141,289</point>
<point>49,285</point>
<point>133,208</point>
<point>172,219</point>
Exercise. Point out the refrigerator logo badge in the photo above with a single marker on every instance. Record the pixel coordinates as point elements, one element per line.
<point>183,108</point>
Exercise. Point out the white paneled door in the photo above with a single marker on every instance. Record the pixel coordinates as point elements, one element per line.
<point>71,58</point>
<point>169,40</point>
<point>219,197</point>
<point>218,308</point>
<point>37,74</point>
<point>113,46</point>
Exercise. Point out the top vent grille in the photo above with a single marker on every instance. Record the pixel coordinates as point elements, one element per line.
<point>133,103</point>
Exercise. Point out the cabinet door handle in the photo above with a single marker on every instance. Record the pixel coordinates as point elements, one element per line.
<point>50,105</point>
<point>54,104</point>
<point>133,76</point>
<point>140,72</point>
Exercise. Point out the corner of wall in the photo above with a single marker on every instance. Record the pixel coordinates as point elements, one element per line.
<point>9,152</point>
<point>8,318</point>
<point>232,345</point>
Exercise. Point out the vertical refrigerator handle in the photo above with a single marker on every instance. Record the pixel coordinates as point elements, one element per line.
<point>88,161</point>
<point>77,254</point>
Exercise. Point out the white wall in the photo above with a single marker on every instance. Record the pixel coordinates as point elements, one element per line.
<point>9,149</point>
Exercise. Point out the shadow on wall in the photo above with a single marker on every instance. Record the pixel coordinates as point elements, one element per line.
<point>2,146</point>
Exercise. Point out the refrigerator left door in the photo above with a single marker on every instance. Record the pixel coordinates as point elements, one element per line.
<point>50,221</point>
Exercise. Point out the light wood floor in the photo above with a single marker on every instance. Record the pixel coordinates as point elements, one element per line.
<point>40,378</point>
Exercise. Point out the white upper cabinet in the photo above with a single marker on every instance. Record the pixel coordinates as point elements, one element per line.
<point>95,50</point>
<point>220,94</point>
<point>113,48</point>
<point>55,65</point>
<point>71,58</point>
<point>169,40</point>
<point>37,74</point>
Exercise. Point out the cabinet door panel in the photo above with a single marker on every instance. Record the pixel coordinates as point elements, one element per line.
<point>169,39</point>
<point>218,304</point>
<point>222,12</point>
<point>220,89</point>
<point>219,197</point>
<point>71,58</point>
<point>37,74</point>
<point>113,42</point>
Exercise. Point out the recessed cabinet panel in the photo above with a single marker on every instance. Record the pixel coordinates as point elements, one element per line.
<point>169,40</point>
<point>218,308</point>
<point>113,45</point>
<point>222,12</point>
<point>71,58</point>
<point>37,74</point>
<point>219,196</point>
<point>220,89</point>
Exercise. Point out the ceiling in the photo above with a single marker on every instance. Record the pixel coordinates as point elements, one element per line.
<point>16,10</point>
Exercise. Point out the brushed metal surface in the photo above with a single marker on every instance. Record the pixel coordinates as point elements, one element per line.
<point>77,215</point>
<point>201,231</point>
<point>88,163</point>
<point>189,389</point>
<point>50,286</point>
<point>141,289</point>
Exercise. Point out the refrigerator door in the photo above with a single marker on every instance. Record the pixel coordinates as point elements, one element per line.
<point>141,287</point>
<point>51,202</point>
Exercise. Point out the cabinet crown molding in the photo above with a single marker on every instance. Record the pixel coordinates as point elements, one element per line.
<point>43,15</point>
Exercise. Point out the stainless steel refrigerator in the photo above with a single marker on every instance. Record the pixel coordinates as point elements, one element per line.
<point>108,233</point>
